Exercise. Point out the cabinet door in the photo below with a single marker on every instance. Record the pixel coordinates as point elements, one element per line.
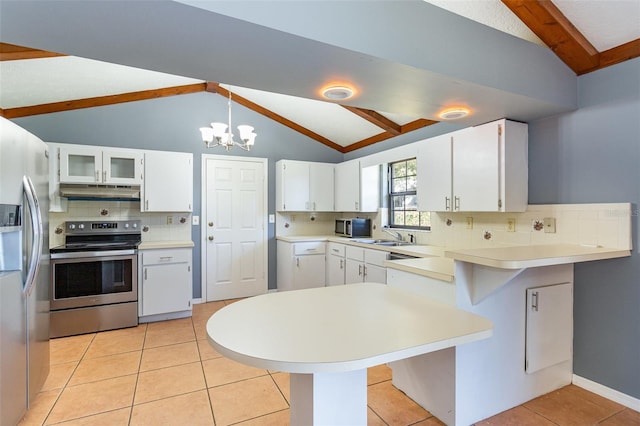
<point>80,164</point>
<point>549,329</point>
<point>122,167</point>
<point>320,187</point>
<point>354,272</point>
<point>168,182</point>
<point>476,169</point>
<point>166,288</point>
<point>434,171</point>
<point>375,274</point>
<point>347,187</point>
<point>335,270</point>
<point>294,186</point>
<point>309,271</point>
<point>369,189</point>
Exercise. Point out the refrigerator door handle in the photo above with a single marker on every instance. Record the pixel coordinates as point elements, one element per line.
<point>37,237</point>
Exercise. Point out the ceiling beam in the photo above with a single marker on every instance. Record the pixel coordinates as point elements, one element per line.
<point>406,128</point>
<point>562,37</point>
<point>101,101</point>
<point>12,52</point>
<point>621,53</point>
<point>565,40</point>
<point>216,88</point>
<point>377,119</point>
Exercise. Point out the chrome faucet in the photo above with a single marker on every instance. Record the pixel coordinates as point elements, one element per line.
<point>398,236</point>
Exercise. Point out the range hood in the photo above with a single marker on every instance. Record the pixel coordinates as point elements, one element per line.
<point>90,192</point>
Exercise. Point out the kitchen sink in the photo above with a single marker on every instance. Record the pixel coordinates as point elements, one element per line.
<point>388,243</point>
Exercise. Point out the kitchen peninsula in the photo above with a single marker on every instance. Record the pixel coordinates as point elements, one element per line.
<point>525,290</point>
<point>328,354</point>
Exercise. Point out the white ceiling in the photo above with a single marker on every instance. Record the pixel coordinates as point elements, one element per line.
<point>605,23</point>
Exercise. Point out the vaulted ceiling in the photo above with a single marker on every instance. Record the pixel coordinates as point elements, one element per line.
<point>585,36</point>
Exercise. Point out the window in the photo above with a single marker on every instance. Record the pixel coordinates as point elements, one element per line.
<point>403,203</point>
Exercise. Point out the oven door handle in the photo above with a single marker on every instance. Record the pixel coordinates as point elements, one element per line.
<point>35,218</point>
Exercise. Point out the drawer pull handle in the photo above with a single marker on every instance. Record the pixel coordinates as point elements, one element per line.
<point>165,258</point>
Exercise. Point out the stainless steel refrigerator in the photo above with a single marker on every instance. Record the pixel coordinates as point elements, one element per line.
<point>24,270</point>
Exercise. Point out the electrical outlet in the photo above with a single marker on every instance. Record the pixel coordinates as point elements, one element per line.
<point>549,225</point>
<point>511,225</point>
<point>169,220</point>
<point>469,223</point>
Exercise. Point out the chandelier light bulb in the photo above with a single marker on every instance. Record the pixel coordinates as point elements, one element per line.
<point>224,136</point>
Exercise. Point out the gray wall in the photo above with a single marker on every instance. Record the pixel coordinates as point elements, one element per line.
<point>171,124</point>
<point>592,155</point>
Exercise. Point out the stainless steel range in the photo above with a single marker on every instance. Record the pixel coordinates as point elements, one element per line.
<point>94,283</point>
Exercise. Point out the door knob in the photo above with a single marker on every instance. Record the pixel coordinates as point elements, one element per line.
<point>211,224</point>
<point>210,237</point>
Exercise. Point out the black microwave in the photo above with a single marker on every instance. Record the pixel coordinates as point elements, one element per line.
<point>353,227</point>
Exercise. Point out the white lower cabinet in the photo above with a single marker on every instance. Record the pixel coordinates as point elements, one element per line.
<point>549,329</point>
<point>301,265</point>
<point>164,281</point>
<point>336,264</point>
<point>365,265</point>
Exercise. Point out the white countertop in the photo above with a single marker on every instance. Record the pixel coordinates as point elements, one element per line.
<point>339,328</point>
<point>411,250</point>
<point>440,268</point>
<point>520,257</point>
<point>147,245</point>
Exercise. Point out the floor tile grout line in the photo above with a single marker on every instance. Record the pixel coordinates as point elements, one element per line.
<point>278,387</point>
<point>206,388</point>
<point>135,386</point>
<point>44,421</point>
<point>536,413</point>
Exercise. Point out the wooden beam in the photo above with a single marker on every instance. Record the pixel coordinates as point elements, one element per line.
<point>409,127</point>
<point>11,52</point>
<point>548,23</point>
<point>216,88</point>
<point>101,101</point>
<point>618,54</point>
<point>377,119</point>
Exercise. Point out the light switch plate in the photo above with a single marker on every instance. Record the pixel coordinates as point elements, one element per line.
<point>195,220</point>
<point>272,218</point>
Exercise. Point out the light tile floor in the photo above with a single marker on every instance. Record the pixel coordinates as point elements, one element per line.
<point>166,373</point>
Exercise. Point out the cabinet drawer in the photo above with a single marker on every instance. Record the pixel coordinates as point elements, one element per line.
<point>311,247</point>
<point>158,257</point>
<point>337,249</point>
<point>375,257</point>
<point>355,253</point>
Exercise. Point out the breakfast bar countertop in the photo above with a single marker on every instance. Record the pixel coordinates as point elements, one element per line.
<point>520,257</point>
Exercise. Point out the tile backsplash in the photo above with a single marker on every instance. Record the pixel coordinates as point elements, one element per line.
<point>157,224</point>
<point>605,224</point>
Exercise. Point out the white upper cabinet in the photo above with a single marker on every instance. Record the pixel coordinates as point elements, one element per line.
<point>482,168</point>
<point>168,182</point>
<point>96,165</point>
<point>356,189</point>
<point>304,186</point>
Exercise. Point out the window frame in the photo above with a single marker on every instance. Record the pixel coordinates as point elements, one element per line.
<point>391,194</point>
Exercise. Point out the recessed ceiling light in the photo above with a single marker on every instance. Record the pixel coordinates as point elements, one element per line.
<point>337,93</point>
<point>454,113</point>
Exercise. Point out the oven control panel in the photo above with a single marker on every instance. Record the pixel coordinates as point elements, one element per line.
<point>102,227</point>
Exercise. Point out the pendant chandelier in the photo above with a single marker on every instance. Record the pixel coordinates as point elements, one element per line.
<point>223,135</point>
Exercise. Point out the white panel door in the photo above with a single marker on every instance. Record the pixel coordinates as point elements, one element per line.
<point>234,228</point>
